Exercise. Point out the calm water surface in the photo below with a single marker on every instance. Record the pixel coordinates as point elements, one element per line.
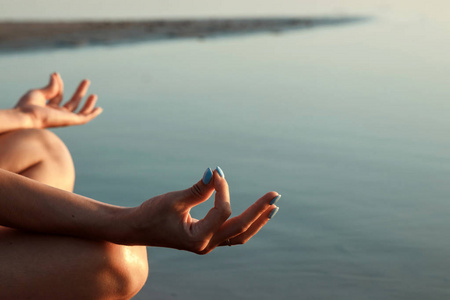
<point>350,124</point>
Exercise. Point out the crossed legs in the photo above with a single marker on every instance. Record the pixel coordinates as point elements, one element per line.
<point>37,266</point>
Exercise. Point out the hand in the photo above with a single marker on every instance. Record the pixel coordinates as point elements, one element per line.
<point>43,105</point>
<point>165,220</point>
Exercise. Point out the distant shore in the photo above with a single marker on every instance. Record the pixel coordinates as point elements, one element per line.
<point>17,36</point>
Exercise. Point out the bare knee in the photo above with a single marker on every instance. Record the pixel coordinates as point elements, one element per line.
<point>51,147</point>
<point>38,154</point>
<point>68,268</point>
<point>56,167</point>
<point>125,271</point>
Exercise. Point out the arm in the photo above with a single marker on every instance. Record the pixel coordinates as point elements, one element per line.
<point>30,205</point>
<point>162,221</point>
<point>41,108</point>
<point>14,119</point>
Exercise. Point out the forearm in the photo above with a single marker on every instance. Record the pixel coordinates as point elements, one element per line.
<point>29,205</point>
<point>14,119</point>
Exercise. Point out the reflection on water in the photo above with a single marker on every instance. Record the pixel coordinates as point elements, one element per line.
<point>349,124</point>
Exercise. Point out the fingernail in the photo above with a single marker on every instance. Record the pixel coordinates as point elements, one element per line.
<point>207,176</point>
<point>275,200</point>
<point>274,212</point>
<point>219,170</point>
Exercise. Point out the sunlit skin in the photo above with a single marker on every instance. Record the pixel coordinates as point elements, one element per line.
<point>45,107</point>
<point>55,244</point>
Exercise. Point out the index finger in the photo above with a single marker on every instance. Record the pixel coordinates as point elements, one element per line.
<point>221,211</point>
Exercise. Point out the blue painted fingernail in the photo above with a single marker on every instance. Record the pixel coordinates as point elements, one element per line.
<point>219,170</point>
<point>275,200</point>
<point>207,176</point>
<point>273,212</point>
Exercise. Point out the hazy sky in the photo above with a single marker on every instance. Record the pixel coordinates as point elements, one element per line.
<point>95,9</point>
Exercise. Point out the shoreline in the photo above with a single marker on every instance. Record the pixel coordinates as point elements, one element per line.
<point>36,35</point>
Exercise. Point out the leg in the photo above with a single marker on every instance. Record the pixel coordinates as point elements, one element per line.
<point>39,155</point>
<point>39,266</point>
<point>35,266</point>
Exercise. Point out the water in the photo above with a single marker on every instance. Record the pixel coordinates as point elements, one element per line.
<point>350,124</point>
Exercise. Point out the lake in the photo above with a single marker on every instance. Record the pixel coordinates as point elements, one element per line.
<point>350,124</point>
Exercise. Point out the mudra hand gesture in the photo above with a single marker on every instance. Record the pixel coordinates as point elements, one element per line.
<point>81,241</point>
<point>165,220</point>
<point>45,108</point>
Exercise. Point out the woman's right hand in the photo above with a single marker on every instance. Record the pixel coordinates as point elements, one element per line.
<point>165,220</point>
<point>43,106</point>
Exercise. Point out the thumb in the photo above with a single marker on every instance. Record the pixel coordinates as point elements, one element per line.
<point>51,89</point>
<point>199,192</point>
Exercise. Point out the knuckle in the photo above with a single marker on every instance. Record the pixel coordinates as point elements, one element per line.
<point>197,247</point>
<point>33,93</point>
<point>242,227</point>
<point>227,213</point>
<point>196,191</point>
<point>202,252</point>
<point>225,210</point>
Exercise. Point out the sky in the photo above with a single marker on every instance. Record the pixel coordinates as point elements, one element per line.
<point>146,9</point>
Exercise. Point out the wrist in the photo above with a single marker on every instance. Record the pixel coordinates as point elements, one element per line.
<point>23,118</point>
<point>26,117</point>
<point>121,226</point>
<point>15,119</point>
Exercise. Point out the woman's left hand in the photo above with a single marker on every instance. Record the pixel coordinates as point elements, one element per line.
<point>165,220</point>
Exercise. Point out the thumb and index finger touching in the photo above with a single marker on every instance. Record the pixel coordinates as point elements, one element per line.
<point>201,191</point>
<point>54,90</point>
<point>48,92</point>
<point>54,93</point>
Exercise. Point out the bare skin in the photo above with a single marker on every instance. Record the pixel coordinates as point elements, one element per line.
<point>60,245</point>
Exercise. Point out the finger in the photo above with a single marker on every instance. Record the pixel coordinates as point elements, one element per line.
<point>92,115</point>
<point>55,101</point>
<point>89,105</point>
<point>221,211</point>
<point>79,119</point>
<point>51,89</point>
<point>244,221</point>
<point>253,229</point>
<point>77,96</point>
<point>199,192</point>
